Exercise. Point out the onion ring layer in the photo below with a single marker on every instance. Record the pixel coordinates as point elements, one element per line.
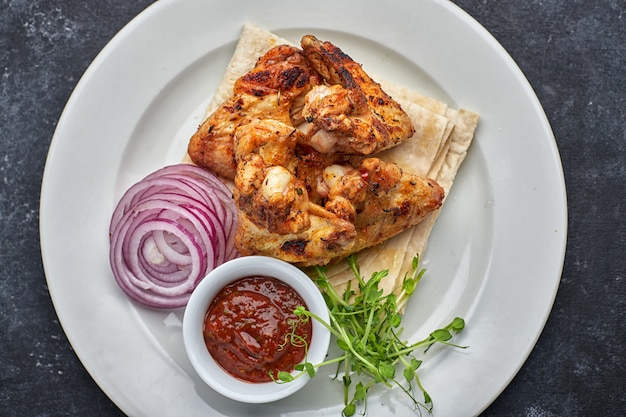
<point>168,232</point>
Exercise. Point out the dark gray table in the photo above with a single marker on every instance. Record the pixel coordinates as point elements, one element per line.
<point>573,53</point>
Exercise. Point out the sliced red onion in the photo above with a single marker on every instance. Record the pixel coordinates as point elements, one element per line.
<point>168,232</point>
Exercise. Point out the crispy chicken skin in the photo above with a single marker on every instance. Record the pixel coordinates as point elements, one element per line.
<point>379,199</point>
<point>312,209</point>
<point>275,215</point>
<point>273,89</point>
<point>350,113</point>
<point>392,202</point>
<point>265,188</point>
<point>325,237</point>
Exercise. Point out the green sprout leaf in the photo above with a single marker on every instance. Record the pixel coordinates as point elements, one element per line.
<point>441,335</point>
<point>458,324</point>
<point>367,323</point>
<point>349,410</point>
<point>360,392</point>
<point>285,376</point>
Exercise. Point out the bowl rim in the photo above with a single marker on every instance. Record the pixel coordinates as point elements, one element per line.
<point>193,317</point>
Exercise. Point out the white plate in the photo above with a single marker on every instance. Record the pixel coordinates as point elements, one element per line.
<point>495,255</point>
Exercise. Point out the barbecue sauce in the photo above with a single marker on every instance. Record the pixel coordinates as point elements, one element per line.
<point>249,325</point>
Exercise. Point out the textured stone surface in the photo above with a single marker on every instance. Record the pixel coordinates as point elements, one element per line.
<point>572,52</point>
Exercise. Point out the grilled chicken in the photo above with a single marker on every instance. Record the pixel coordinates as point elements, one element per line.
<point>275,215</point>
<point>387,201</point>
<point>266,190</point>
<point>312,197</point>
<point>312,209</point>
<point>274,89</point>
<point>350,113</point>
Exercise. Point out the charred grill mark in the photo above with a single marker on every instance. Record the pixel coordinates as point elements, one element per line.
<point>237,106</point>
<point>405,208</point>
<point>348,80</point>
<point>258,77</point>
<point>302,81</point>
<point>295,247</point>
<point>331,246</point>
<point>378,100</point>
<point>292,76</point>
<point>402,210</point>
<point>374,187</point>
<point>334,54</point>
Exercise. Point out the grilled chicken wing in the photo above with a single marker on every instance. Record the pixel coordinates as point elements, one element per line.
<point>265,188</point>
<point>312,198</point>
<point>276,217</point>
<point>274,89</point>
<point>352,114</point>
<point>311,209</point>
<point>379,199</point>
<point>389,200</point>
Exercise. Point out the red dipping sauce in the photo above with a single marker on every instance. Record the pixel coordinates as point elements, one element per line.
<point>248,327</point>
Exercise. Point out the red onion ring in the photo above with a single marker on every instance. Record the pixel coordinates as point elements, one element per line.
<point>168,232</point>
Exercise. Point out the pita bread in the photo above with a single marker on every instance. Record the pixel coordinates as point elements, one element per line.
<point>436,150</point>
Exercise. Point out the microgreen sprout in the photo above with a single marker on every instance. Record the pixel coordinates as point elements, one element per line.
<point>366,324</point>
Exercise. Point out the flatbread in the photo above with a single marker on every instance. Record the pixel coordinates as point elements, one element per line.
<point>436,150</point>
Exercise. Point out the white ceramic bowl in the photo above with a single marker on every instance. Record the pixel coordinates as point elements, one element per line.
<point>206,367</point>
